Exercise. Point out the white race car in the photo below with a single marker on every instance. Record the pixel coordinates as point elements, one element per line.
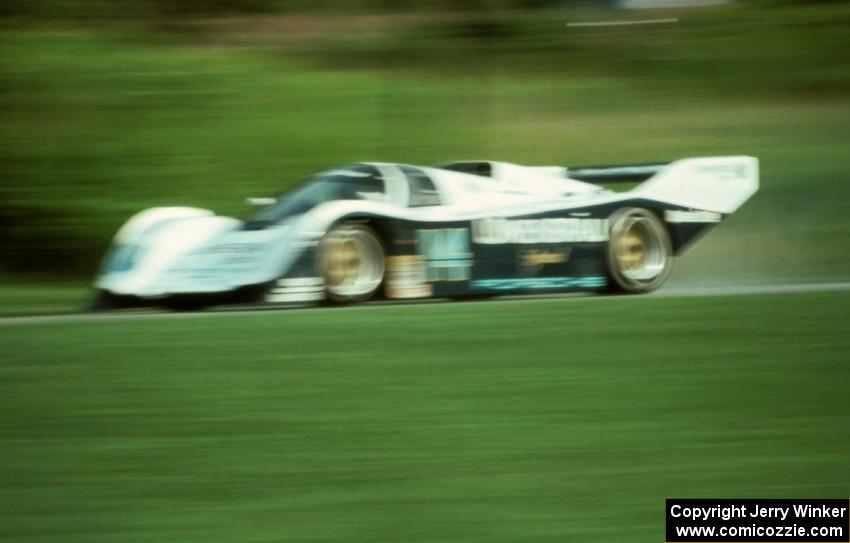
<point>470,228</point>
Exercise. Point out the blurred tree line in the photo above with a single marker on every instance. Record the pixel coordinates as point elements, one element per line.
<point>155,9</point>
<point>193,8</point>
<point>120,9</point>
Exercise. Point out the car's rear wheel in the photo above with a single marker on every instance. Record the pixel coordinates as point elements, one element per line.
<point>640,254</point>
<point>351,263</point>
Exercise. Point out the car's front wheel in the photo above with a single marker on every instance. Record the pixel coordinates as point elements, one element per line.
<point>640,254</point>
<point>351,263</point>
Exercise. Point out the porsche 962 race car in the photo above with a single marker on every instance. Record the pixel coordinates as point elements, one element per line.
<point>470,228</point>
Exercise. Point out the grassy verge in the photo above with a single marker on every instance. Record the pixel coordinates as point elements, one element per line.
<point>499,421</point>
<point>20,297</point>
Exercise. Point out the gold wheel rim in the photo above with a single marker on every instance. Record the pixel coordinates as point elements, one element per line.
<point>351,262</point>
<point>341,263</point>
<point>630,250</point>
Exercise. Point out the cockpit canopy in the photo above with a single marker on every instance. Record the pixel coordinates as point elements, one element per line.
<point>350,182</point>
<point>461,184</point>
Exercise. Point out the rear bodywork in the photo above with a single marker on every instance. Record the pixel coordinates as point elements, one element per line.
<point>476,228</point>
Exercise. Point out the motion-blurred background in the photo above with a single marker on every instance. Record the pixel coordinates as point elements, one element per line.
<point>112,106</point>
<point>544,420</point>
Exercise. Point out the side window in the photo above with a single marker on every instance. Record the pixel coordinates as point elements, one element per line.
<point>367,188</point>
<point>422,189</point>
<point>358,182</point>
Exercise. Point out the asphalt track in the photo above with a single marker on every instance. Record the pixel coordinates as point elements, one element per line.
<point>668,292</point>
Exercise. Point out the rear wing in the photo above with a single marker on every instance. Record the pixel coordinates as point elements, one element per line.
<point>720,184</point>
<point>717,184</point>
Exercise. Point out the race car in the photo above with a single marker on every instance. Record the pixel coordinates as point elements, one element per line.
<point>397,231</point>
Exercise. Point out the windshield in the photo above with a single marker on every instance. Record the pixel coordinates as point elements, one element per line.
<point>356,182</point>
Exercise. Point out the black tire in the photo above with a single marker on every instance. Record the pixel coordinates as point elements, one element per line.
<point>640,254</point>
<point>351,263</point>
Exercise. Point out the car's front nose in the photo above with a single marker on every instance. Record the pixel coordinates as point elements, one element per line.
<point>199,256</point>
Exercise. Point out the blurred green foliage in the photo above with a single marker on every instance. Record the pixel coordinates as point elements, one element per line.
<point>102,119</point>
<point>545,420</point>
<point>154,10</point>
<point>123,9</point>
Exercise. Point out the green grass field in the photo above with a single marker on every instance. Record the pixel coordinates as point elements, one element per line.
<point>33,298</point>
<point>543,420</point>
